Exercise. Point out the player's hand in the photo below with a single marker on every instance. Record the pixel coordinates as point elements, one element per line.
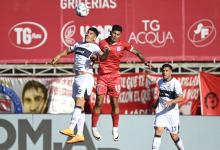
<point>148,64</point>
<point>54,60</point>
<point>106,48</point>
<point>93,57</point>
<point>168,103</point>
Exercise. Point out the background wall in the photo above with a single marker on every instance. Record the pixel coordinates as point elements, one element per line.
<point>136,132</point>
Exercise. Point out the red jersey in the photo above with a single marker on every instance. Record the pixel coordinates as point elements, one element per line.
<point>111,63</point>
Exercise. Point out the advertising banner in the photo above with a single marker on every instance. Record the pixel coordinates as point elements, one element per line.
<point>202,30</point>
<point>139,92</point>
<point>210,92</point>
<point>34,31</point>
<point>54,95</point>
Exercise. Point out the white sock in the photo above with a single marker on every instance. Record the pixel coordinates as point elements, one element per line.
<point>75,117</point>
<point>156,143</point>
<point>115,129</point>
<point>179,144</point>
<point>80,124</point>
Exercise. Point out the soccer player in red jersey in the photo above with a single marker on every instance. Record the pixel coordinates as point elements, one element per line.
<point>108,80</point>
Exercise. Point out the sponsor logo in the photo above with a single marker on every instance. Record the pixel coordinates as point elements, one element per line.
<point>67,33</point>
<point>69,29</point>
<point>27,35</point>
<point>103,30</point>
<point>119,48</point>
<point>202,33</point>
<point>97,4</point>
<point>152,34</point>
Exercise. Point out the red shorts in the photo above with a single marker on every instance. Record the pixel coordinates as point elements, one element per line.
<point>108,84</point>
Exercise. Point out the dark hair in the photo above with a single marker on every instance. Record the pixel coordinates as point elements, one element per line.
<point>94,30</point>
<point>117,28</point>
<point>167,65</point>
<point>34,84</point>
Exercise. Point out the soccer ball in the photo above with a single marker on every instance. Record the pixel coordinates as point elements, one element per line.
<point>82,10</point>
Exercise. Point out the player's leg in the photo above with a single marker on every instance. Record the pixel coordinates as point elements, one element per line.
<point>97,109</point>
<point>79,88</point>
<point>77,112</point>
<point>76,115</point>
<point>160,124</point>
<point>173,127</point>
<point>115,117</point>
<point>101,90</point>
<point>85,83</point>
<point>114,92</point>
<point>87,94</point>
<point>115,110</point>
<point>157,137</point>
<point>81,122</point>
<point>177,140</point>
<point>95,116</point>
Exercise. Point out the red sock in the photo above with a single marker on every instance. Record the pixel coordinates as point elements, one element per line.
<point>95,118</point>
<point>115,119</point>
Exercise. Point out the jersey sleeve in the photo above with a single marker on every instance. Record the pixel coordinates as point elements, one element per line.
<point>178,88</point>
<point>72,48</point>
<point>97,49</point>
<point>102,44</point>
<point>127,46</point>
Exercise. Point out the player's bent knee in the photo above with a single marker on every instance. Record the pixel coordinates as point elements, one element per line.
<point>175,137</point>
<point>159,131</point>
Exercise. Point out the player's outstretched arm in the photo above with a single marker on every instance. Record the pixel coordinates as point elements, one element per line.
<point>141,57</point>
<point>62,54</point>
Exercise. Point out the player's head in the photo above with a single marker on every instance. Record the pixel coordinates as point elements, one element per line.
<point>91,34</point>
<point>34,97</point>
<point>167,72</point>
<point>116,33</point>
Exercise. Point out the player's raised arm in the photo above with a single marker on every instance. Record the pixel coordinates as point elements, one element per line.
<point>141,57</point>
<point>62,54</point>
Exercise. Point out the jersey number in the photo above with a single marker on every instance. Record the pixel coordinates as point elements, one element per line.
<point>117,88</point>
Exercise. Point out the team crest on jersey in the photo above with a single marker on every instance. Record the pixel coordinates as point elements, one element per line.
<point>119,48</point>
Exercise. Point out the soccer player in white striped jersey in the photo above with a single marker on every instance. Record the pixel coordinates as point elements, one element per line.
<point>167,111</point>
<point>83,81</point>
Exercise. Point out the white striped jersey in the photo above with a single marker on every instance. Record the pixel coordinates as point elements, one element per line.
<point>168,90</point>
<point>83,51</point>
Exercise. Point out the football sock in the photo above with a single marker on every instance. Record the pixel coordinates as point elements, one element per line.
<point>156,142</point>
<point>75,117</point>
<point>81,122</point>
<point>179,144</point>
<point>95,118</point>
<point>115,119</point>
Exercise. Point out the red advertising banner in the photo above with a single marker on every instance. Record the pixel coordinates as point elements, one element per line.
<point>201,29</point>
<point>210,93</point>
<point>139,92</point>
<point>34,31</point>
